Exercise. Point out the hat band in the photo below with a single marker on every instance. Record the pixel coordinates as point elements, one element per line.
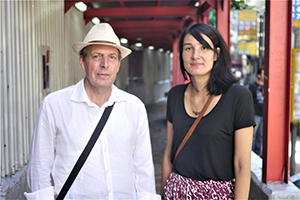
<point>101,41</point>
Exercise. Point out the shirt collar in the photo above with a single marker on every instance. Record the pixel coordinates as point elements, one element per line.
<point>79,95</point>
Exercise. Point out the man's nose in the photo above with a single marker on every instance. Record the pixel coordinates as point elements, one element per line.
<point>104,62</point>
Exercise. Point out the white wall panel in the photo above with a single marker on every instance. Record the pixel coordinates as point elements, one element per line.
<point>25,26</point>
<point>1,85</point>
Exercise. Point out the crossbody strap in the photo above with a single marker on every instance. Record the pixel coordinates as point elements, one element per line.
<point>187,136</point>
<point>81,160</point>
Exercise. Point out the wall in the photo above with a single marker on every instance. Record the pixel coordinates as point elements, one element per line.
<point>25,27</point>
<point>156,77</point>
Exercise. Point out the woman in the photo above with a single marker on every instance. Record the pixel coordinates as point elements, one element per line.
<point>215,161</point>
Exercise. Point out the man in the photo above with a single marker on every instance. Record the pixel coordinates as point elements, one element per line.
<point>257,90</point>
<point>120,164</point>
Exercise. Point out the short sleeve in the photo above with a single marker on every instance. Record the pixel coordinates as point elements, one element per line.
<point>169,102</point>
<point>243,109</point>
<point>175,100</point>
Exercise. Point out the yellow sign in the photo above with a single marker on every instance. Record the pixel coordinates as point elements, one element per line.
<point>295,89</point>
<point>297,23</point>
<point>247,29</point>
<point>247,48</point>
<point>247,15</point>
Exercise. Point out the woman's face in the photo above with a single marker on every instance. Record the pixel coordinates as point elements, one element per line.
<point>198,59</point>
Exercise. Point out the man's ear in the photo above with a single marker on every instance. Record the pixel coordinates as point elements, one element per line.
<point>217,54</point>
<point>81,62</point>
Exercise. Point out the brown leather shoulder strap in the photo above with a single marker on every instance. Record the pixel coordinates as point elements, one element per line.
<point>187,136</point>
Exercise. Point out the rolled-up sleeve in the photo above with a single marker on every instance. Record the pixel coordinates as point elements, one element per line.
<point>43,194</point>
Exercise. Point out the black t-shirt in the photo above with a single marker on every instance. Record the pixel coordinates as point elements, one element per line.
<point>258,97</point>
<point>209,152</point>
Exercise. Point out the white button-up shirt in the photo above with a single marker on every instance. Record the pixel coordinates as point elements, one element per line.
<point>120,165</point>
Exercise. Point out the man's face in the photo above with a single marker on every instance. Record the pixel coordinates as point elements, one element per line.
<point>101,65</point>
<point>262,75</point>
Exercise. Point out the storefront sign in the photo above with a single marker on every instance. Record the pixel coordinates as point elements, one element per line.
<point>296,10</point>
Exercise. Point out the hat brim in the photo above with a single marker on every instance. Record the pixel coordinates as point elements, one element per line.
<point>77,47</point>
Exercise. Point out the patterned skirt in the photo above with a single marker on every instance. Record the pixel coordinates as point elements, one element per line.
<point>179,187</point>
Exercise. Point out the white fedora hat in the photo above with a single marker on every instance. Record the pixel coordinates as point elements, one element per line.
<point>103,34</point>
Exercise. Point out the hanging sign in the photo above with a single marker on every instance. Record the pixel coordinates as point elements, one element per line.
<point>295,89</point>
<point>247,29</point>
<point>247,32</point>
<point>296,10</point>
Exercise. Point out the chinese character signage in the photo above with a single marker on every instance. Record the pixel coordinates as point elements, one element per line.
<point>247,32</point>
<point>247,25</point>
<point>296,10</point>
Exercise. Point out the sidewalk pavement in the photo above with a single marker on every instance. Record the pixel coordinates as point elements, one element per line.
<point>158,133</point>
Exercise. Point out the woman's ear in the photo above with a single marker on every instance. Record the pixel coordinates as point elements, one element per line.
<point>217,54</point>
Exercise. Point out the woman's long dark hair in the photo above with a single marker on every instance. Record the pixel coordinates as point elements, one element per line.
<point>221,77</point>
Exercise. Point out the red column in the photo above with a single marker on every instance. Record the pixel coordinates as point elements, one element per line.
<point>223,19</point>
<point>176,68</point>
<point>276,122</point>
<point>205,19</point>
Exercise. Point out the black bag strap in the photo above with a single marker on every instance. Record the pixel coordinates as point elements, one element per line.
<point>81,160</point>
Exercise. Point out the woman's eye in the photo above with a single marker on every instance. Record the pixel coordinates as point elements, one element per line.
<point>188,48</point>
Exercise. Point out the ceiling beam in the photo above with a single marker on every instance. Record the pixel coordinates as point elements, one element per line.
<point>144,35</point>
<point>147,24</point>
<point>212,3</point>
<point>162,43</point>
<point>175,11</point>
<point>144,30</point>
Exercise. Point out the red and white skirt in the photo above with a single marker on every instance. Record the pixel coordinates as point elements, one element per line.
<point>178,187</point>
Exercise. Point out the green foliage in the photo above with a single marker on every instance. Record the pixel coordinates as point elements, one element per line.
<point>240,5</point>
<point>212,18</point>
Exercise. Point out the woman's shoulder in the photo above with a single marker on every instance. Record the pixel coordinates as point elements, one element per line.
<point>237,90</point>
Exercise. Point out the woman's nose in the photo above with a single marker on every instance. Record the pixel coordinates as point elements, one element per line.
<point>196,54</point>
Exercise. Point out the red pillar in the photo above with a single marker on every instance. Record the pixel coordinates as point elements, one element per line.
<point>205,19</point>
<point>277,91</point>
<point>176,68</point>
<point>223,19</point>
